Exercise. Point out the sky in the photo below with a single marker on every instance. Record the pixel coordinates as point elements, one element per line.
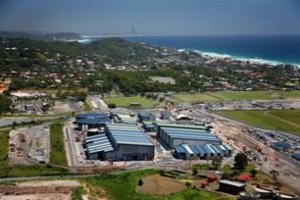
<point>164,17</point>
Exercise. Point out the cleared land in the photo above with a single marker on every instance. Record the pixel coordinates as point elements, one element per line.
<point>57,153</point>
<point>160,185</point>
<point>19,171</point>
<point>282,120</point>
<point>126,101</point>
<point>49,190</point>
<point>236,95</point>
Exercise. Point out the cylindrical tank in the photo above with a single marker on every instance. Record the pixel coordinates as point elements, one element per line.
<point>282,196</point>
<point>248,196</point>
<point>264,193</point>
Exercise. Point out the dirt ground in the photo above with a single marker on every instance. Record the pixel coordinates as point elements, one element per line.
<point>160,185</point>
<point>37,197</point>
<point>28,145</point>
<point>38,190</point>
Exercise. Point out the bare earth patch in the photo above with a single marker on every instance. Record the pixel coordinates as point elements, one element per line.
<point>39,190</point>
<point>160,185</point>
<point>38,197</point>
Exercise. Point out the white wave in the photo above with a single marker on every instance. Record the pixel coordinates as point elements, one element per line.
<point>242,59</point>
<point>85,41</point>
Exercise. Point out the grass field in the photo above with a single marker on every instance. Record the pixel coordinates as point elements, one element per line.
<point>4,138</point>
<point>126,101</point>
<point>123,187</point>
<point>236,95</point>
<point>282,120</point>
<point>57,152</point>
<point>19,171</point>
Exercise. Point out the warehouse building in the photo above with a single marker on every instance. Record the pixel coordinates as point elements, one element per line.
<point>177,134</point>
<point>87,121</point>
<point>148,126</point>
<point>120,142</point>
<point>97,146</point>
<point>146,116</point>
<point>206,151</point>
<point>124,118</point>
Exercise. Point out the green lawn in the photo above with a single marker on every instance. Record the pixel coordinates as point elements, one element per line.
<point>4,139</point>
<point>19,171</point>
<point>122,187</point>
<point>293,95</point>
<point>283,120</point>
<point>57,153</point>
<point>126,101</point>
<point>236,95</point>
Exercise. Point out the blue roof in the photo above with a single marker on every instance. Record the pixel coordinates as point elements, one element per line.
<point>181,126</point>
<point>92,118</point>
<point>198,149</point>
<point>281,145</point>
<point>296,156</point>
<point>191,135</point>
<point>180,149</point>
<point>98,143</point>
<point>184,130</point>
<point>93,121</point>
<point>149,126</point>
<point>130,135</point>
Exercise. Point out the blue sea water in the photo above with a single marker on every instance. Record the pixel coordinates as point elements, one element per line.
<point>263,49</point>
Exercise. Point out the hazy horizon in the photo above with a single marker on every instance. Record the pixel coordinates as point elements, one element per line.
<point>155,17</point>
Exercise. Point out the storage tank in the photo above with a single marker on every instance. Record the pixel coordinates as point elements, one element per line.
<point>264,193</point>
<point>283,196</point>
<point>248,196</point>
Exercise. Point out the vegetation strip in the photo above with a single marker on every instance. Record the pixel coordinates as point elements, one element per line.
<point>57,153</point>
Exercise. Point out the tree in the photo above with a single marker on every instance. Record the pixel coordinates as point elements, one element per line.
<point>253,172</point>
<point>5,104</point>
<point>216,162</point>
<point>195,171</point>
<point>240,161</point>
<point>111,105</point>
<point>188,184</point>
<point>141,182</point>
<point>274,174</point>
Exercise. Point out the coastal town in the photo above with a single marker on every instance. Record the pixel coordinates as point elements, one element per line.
<point>69,67</point>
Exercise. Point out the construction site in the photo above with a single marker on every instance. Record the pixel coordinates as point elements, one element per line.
<point>29,145</point>
<point>263,155</point>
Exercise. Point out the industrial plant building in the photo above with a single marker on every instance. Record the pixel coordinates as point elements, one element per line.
<point>124,118</point>
<point>87,121</point>
<point>146,116</point>
<point>177,134</point>
<point>119,142</point>
<point>206,151</point>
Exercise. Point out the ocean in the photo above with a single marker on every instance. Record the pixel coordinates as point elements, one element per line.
<point>281,49</point>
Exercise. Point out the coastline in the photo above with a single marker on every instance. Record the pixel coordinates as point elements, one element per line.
<point>260,61</point>
<point>214,55</point>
